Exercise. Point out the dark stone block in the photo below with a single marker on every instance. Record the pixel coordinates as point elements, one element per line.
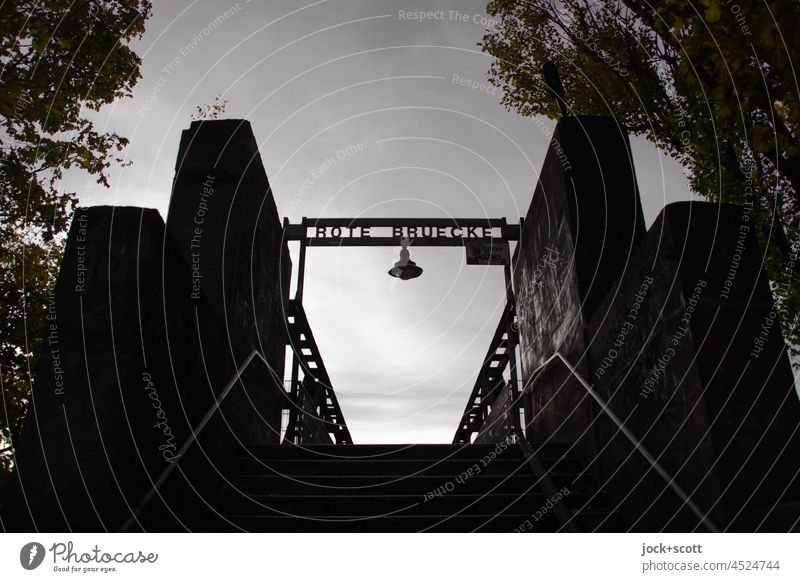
<point>223,219</point>
<point>711,395</point>
<point>672,353</point>
<point>584,222</point>
<point>137,354</point>
<point>119,379</point>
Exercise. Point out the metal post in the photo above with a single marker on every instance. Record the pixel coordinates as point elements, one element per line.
<point>298,302</point>
<point>301,268</point>
<point>511,332</point>
<point>293,413</point>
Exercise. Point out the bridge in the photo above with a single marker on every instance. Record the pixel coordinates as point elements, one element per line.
<point>178,411</point>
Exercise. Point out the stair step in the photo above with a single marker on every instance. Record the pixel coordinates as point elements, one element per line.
<point>590,521</point>
<point>438,452</point>
<point>347,523</point>
<point>410,467</point>
<point>401,488</point>
<point>378,505</point>
<point>550,455</point>
<point>396,484</point>
<point>601,521</point>
<point>378,467</point>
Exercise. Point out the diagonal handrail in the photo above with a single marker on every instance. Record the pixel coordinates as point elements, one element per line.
<point>670,480</point>
<point>192,438</point>
<point>564,517</point>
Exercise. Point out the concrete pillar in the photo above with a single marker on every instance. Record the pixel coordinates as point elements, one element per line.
<point>223,220</point>
<point>584,222</point>
<point>106,415</point>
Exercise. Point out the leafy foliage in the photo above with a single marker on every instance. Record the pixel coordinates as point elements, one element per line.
<point>57,60</point>
<point>711,83</point>
<point>211,110</point>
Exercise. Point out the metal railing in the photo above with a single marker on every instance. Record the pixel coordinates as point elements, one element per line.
<point>305,418</point>
<point>653,462</point>
<point>563,515</point>
<point>323,403</point>
<point>192,438</point>
<point>490,381</point>
<point>503,418</point>
<point>306,425</point>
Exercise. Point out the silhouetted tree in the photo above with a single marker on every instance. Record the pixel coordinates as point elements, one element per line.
<point>57,59</point>
<point>711,83</point>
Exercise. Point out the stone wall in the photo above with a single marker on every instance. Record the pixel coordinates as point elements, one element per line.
<point>674,331</point>
<point>673,354</point>
<point>144,336</point>
<point>223,220</point>
<point>107,413</point>
<point>583,223</point>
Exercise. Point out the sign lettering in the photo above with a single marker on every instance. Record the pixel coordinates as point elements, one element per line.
<point>411,232</point>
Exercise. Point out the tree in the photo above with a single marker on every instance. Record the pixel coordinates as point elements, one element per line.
<point>711,83</point>
<point>58,59</point>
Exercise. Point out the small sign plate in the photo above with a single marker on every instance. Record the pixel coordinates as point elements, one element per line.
<point>487,254</point>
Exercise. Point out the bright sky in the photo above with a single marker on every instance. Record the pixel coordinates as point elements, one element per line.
<point>314,78</point>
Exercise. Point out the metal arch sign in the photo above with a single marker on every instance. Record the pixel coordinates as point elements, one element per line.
<point>477,234</point>
<point>485,241</point>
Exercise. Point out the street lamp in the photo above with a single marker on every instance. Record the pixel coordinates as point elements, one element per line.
<point>405,268</point>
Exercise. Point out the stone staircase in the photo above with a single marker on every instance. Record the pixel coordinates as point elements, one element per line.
<point>402,488</point>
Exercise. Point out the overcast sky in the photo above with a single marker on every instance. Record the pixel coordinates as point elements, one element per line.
<point>314,78</point>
